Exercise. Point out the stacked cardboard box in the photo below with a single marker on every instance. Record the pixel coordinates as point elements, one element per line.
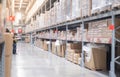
<point>99,31</point>
<point>86,6</point>
<point>62,11</point>
<point>8,53</point>
<point>45,45</point>
<point>53,48</point>
<point>115,3</point>
<point>76,9</point>
<point>99,6</point>
<point>73,52</point>
<point>95,57</point>
<point>68,9</point>
<point>60,48</point>
<point>58,13</point>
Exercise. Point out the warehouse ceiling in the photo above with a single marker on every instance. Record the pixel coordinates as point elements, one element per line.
<point>21,6</point>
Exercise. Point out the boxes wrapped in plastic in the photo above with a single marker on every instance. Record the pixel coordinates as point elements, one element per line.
<point>63,13</point>
<point>115,3</point>
<point>86,6</point>
<point>101,5</point>
<point>76,9</point>
<point>58,13</point>
<point>68,9</point>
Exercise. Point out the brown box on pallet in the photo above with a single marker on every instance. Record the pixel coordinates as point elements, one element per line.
<point>53,48</point>
<point>45,46</point>
<point>115,3</point>
<point>76,58</point>
<point>86,6</point>
<point>76,9</point>
<point>99,28</point>
<point>63,50</point>
<point>96,59</point>
<point>68,9</point>
<point>59,50</point>
<point>74,46</point>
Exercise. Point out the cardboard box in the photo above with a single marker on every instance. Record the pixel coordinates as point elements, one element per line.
<point>96,59</point>
<point>74,46</point>
<point>59,50</point>
<point>8,60</point>
<point>63,50</point>
<point>86,6</point>
<point>53,48</point>
<point>45,45</point>
<point>76,58</point>
<point>8,43</point>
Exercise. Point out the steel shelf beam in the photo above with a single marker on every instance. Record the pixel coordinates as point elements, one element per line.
<point>89,19</point>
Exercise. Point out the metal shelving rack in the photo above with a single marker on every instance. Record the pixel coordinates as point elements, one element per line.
<point>112,14</point>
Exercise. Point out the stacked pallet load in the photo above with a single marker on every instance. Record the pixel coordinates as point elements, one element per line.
<point>100,6</point>
<point>62,11</point>
<point>86,6</point>
<point>76,9</point>
<point>73,52</point>
<point>45,45</point>
<point>58,48</point>
<point>95,56</point>
<point>53,48</point>
<point>99,31</point>
<point>116,4</point>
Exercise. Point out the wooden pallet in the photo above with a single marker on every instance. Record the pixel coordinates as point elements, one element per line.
<point>105,9</point>
<point>96,69</point>
<point>85,16</point>
<point>94,14</point>
<point>76,18</point>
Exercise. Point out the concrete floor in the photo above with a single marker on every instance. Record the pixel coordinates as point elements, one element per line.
<point>31,61</point>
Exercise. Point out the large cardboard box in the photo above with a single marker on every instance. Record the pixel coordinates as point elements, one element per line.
<point>63,50</point>
<point>53,48</point>
<point>96,58</point>
<point>74,46</point>
<point>76,58</point>
<point>45,46</point>
<point>86,6</point>
<point>8,60</point>
<point>8,43</point>
<point>59,50</point>
<point>8,53</point>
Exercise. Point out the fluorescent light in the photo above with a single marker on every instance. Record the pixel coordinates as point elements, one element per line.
<point>21,1</point>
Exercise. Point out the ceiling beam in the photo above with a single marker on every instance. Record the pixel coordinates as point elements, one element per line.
<point>21,1</point>
<point>24,3</point>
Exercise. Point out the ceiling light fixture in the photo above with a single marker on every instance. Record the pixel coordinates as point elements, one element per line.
<point>21,1</point>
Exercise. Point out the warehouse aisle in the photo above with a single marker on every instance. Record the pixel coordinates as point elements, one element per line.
<point>31,61</point>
